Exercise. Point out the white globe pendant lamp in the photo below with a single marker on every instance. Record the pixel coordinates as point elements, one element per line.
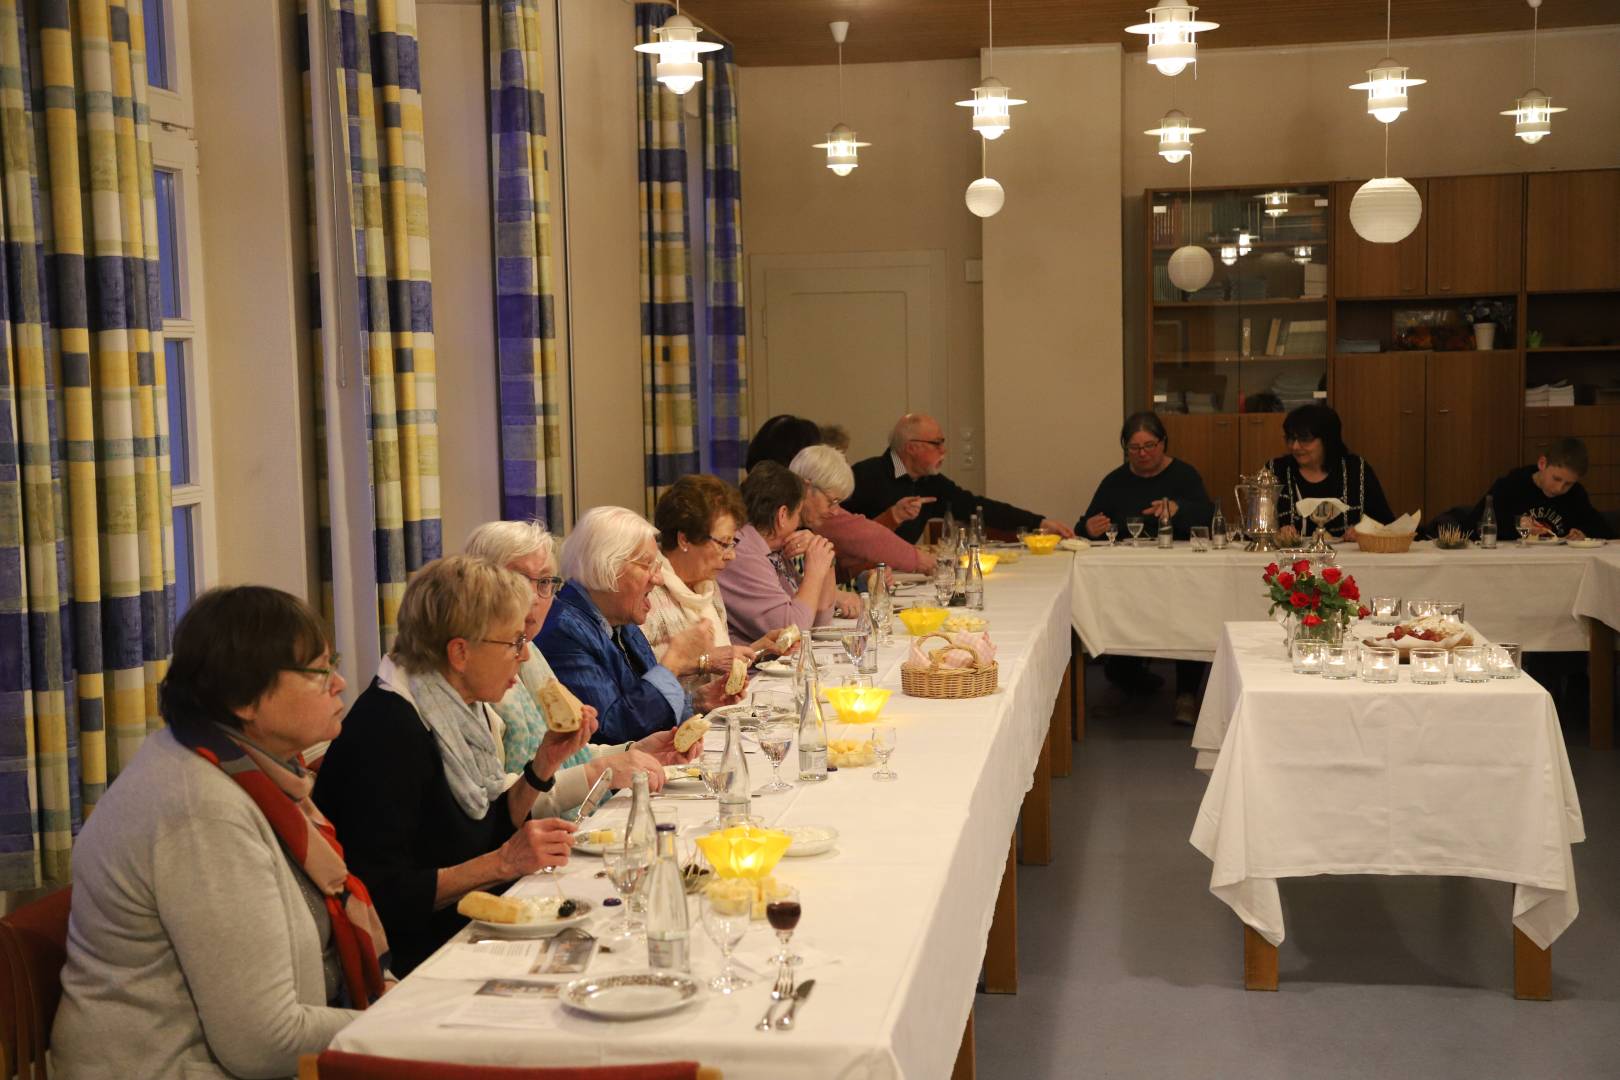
<point>842,147</point>
<point>1386,210</point>
<point>677,48</point>
<point>1190,266</point>
<point>985,197</point>
<point>1532,112</point>
<point>991,102</point>
<point>1175,132</point>
<point>1386,82</point>
<point>1172,30</point>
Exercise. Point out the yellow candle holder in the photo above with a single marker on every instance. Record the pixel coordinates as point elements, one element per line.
<point>921,621</point>
<point>1041,543</point>
<point>744,851</point>
<point>987,561</point>
<point>858,704</point>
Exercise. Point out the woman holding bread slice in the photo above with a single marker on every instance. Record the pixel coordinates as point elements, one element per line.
<point>697,521</point>
<point>416,784</point>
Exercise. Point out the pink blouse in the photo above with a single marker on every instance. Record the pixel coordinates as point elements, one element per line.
<point>862,543</point>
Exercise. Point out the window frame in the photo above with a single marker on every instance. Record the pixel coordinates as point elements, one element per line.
<point>173,107</point>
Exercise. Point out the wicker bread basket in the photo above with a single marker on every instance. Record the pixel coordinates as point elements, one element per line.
<point>935,681</point>
<point>1384,545</point>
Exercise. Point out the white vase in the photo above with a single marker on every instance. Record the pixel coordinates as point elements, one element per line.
<point>1484,335</point>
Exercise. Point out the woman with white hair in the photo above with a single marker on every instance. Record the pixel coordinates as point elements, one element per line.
<point>528,550</point>
<point>860,542</point>
<point>592,635</point>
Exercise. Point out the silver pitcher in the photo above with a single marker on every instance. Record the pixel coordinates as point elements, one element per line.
<point>1257,506</point>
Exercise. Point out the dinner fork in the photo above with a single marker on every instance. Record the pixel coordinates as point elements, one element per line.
<point>782,991</point>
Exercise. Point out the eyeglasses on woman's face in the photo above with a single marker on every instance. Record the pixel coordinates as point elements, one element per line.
<point>515,646</point>
<point>1298,440</point>
<point>545,586</point>
<point>726,545</point>
<point>1144,447</point>
<point>325,674</point>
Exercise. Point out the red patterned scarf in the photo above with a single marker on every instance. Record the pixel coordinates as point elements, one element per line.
<point>282,795</point>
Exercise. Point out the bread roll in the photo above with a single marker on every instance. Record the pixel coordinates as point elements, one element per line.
<point>738,677</point>
<point>564,712</point>
<point>487,907</point>
<point>690,733</point>
<point>787,637</point>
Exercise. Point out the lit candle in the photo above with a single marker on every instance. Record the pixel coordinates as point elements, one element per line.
<point>1379,665</point>
<point>1503,660</point>
<point>1308,657</point>
<point>1428,666</point>
<point>1468,664</point>
<point>1385,610</point>
<point>1339,661</point>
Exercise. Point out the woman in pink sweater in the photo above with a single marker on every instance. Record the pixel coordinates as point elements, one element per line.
<point>860,542</point>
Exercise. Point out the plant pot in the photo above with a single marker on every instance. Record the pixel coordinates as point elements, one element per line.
<point>1484,335</point>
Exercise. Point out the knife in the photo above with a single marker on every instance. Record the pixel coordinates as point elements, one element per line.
<point>785,1023</point>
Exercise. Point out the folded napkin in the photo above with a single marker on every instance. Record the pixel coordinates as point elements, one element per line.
<point>1074,543</point>
<point>977,642</point>
<point>1405,525</point>
<point>1307,507</point>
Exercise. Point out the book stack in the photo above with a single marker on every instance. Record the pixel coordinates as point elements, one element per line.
<point>1550,394</point>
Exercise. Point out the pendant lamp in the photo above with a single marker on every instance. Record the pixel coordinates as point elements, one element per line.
<point>843,149</point>
<point>991,102</point>
<point>985,196</point>
<point>677,50</point>
<point>1532,112</point>
<point>1175,132</point>
<point>1190,266</point>
<point>1172,30</point>
<point>1386,82</point>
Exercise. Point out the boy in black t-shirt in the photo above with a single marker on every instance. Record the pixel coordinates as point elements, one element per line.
<point>1549,494</point>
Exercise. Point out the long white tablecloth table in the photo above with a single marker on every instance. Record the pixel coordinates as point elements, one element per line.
<point>1344,777</point>
<point>895,919</point>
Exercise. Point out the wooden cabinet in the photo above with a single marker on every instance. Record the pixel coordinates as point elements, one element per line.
<point>1209,443</point>
<point>1476,229</point>
<point>1474,404</point>
<point>1362,269</point>
<point>1380,399</point>
<point>1260,439</point>
<point>1598,426</point>
<point>1572,233</point>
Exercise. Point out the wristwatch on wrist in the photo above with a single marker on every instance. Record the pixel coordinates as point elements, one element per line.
<point>532,778</point>
<point>703,662</point>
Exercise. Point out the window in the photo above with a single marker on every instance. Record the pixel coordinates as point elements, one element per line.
<point>174,184</point>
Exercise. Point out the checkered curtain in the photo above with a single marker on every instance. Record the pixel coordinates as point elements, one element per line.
<point>86,534</point>
<point>669,410</point>
<point>727,358</point>
<point>532,478</point>
<point>379,94</point>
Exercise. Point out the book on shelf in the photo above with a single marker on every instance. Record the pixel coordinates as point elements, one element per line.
<point>1315,281</point>
<point>1358,345</point>
<point>1306,337</point>
<point>1273,345</point>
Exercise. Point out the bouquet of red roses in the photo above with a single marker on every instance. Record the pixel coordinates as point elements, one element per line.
<point>1315,597</point>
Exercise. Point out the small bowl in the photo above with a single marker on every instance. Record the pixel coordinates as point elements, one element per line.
<point>1042,543</point>
<point>987,560</point>
<point>923,620</point>
<point>858,704</point>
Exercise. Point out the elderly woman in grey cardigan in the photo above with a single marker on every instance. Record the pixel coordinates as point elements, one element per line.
<point>215,929</point>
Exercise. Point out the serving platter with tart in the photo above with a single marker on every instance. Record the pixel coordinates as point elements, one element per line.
<point>1427,632</point>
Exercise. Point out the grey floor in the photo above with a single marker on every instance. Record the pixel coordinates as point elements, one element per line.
<point>1128,967</point>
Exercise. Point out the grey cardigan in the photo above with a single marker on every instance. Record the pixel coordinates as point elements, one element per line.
<point>192,951</point>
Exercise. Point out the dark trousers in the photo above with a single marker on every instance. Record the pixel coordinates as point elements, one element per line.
<point>1130,673</point>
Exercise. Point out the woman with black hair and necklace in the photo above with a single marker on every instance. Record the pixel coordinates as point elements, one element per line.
<point>1319,466</point>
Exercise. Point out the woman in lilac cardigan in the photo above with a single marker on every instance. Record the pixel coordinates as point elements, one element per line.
<point>858,542</point>
<point>760,589</point>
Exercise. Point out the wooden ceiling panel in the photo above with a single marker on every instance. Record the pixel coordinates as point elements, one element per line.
<point>777,32</point>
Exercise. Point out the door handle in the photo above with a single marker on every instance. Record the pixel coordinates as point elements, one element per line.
<point>1442,410</point>
<point>1408,412</point>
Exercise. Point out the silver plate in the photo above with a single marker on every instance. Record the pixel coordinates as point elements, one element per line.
<point>631,996</point>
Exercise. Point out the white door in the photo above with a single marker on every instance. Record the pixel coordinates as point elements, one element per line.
<point>853,339</point>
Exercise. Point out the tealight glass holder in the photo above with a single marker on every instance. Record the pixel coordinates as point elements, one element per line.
<point>1429,667</point>
<point>1379,664</point>
<point>1308,656</point>
<point>1454,609</point>
<point>1384,610</point>
<point>1504,660</point>
<point>1468,664</point>
<point>1339,660</point>
<point>1417,609</point>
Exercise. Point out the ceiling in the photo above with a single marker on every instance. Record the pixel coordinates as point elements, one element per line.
<point>776,32</point>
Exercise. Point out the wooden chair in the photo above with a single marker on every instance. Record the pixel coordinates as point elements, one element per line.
<point>33,948</point>
<point>337,1065</point>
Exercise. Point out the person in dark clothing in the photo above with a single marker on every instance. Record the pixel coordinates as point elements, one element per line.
<point>1319,466</point>
<point>779,438</point>
<point>903,489</point>
<point>1150,480</point>
<point>1550,494</point>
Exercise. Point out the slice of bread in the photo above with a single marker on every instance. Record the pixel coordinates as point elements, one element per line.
<point>690,733</point>
<point>488,907</point>
<point>787,637</point>
<point>563,710</point>
<point>738,677</point>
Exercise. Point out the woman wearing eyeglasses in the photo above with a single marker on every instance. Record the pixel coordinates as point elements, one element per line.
<point>1319,465</point>
<point>416,784</point>
<point>1149,482</point>
<point>859,542</point>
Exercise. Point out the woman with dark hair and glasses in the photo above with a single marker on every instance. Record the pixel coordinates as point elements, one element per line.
<point>1148,482</point>
<point>216,929</point>
<point>416,784</point>
<point>1319,466</point>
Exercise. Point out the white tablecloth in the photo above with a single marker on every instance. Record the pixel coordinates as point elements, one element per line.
<point>899,913</point>
<point>1148,602</point>
<point>1324,777</point>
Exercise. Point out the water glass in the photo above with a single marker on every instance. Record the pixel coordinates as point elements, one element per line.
<point>1112,531</point>
<point>883,742</point>
<point>1468,664</point>
<point>726,917</point>
<point>1339,660</point>
<point>855,640</point>
<point>625,867</point>
<point>774,741</point>
<point>1418,609</point>
<point>1429,667</point>
<point>1384,610</point>
<point>1134,526</point>
<point>1380,664</point>
<point>1308,656</point>
<point>1505,660</point>
<point>1200,537</point>
<point>764,705</point>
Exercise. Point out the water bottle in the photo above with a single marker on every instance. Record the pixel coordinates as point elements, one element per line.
<point>882,603</point>
<point>639,827</point>
<point>812,729</point>
<point>668,931</point>
<point>978,526</point>
<point>974,586</point>
<point>1217,529</point>
<point>734,789</point>
<point>959,567</point>
<point>1487,524</point>
<point>947,534</point>
<point>869,620</point>
<point>1166,535</point>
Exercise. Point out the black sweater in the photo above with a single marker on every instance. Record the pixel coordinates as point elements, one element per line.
<point>1351,481</point>
<point>877,489</point>
<point>1516,494</point>
<point>1123,494</point>
<point>382,785</point>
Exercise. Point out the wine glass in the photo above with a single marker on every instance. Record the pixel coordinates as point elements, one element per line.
<point>708,764</point>
<point>625,867</point>
<point>883,740</point>
<point>1134,525</point>
<point>774,740</point>
<point>944,583</point>
<point>726,916</point>
<point>1525,529</point>
<point>1111,531</point>
<point>767,705</point>
<point>855,641</point>
<point>783,915</point>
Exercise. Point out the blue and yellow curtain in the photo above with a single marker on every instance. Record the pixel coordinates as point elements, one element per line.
<point>379,92</point>
<point>86,535</point>
<point>727,352</point>
<point>669,411</point>
<point>532,479</point>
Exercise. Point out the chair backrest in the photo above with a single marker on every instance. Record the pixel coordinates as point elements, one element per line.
<point>337,1065</point>
<point>33,948</point>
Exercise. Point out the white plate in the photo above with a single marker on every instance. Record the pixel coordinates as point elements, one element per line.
<point>1549,541</point>
<point>631,996</point>
<point>1587,542</point>
<point>810,839</point>
<point>538,928</point>
<point>833,634</point>
<point>906,577</point>
<point>776,668</point>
